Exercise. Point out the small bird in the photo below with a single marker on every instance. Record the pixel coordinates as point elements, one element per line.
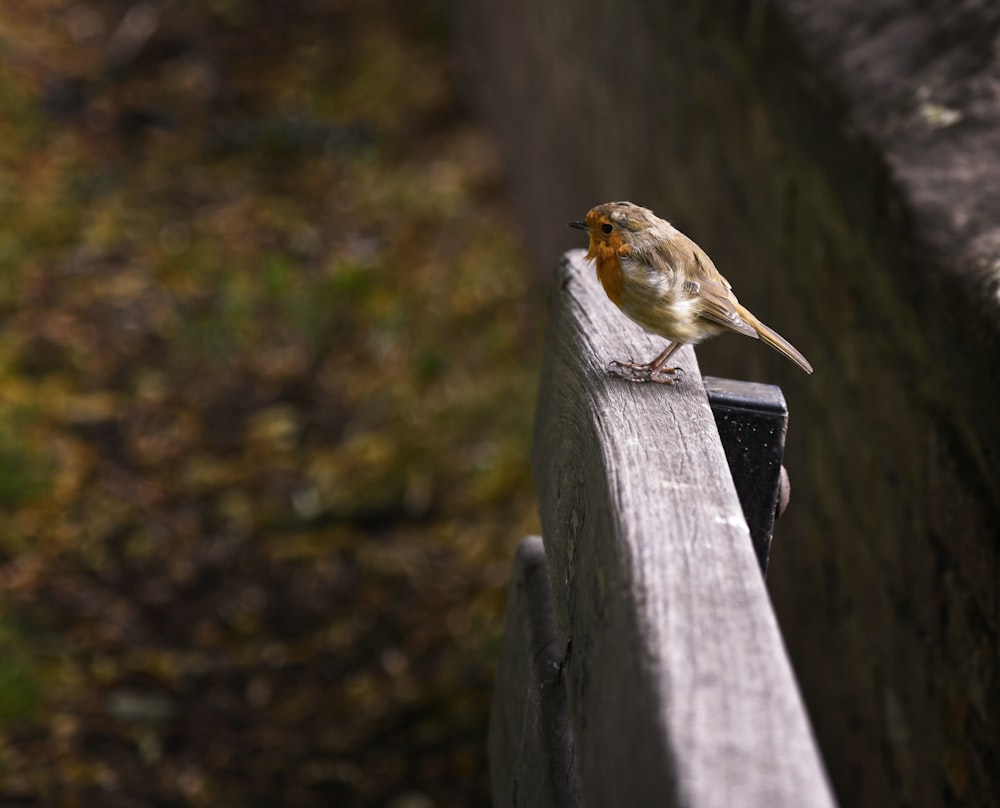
<point>667,284</point>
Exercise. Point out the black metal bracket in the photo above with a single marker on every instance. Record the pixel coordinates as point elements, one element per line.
<point>752,420</point>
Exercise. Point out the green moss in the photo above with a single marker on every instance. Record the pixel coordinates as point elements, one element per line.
<point>21,678</point>
<point>24,474</point>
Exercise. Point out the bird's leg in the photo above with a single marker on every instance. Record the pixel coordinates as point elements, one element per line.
<point>653,371</point>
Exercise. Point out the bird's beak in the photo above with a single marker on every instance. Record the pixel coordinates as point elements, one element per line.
<point>579,225</point>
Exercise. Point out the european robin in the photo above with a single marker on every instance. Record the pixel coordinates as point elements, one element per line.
<point>667,284</point>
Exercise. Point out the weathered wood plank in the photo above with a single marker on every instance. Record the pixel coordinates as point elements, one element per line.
<point>677,679</point>
<point>530,739</point>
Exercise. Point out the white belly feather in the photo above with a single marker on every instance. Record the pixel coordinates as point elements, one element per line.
<point>659,303</point>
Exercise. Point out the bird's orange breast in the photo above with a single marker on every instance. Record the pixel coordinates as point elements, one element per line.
<point>609,269</point>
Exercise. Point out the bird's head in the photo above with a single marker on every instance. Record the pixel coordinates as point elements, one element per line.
<point>615,228</point>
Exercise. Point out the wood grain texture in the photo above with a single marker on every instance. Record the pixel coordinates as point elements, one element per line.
<point>531,754</point>
<point>678,682</point>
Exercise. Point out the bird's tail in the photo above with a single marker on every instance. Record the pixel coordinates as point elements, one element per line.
<point>776,341</point>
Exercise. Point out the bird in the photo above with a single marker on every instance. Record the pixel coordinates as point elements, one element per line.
<point>666,283</point>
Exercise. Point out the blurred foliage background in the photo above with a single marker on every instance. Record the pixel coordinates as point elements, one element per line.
<point>269,353</point>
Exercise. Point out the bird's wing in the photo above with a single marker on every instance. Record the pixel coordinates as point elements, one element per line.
<point>713,291</point>
<point>718,306</point>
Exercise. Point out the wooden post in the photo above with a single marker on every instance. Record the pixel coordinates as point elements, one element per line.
<point>532,761</point>
<point>678,686</point>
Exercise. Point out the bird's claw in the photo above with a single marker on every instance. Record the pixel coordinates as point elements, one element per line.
<point>640,373</point>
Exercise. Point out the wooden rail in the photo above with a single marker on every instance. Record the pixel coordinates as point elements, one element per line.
<point>642,663</point>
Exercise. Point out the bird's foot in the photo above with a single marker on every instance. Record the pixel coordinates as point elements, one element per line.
<point>641,373</point>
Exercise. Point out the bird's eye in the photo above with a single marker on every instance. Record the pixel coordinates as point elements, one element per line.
<point>607,228</point>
